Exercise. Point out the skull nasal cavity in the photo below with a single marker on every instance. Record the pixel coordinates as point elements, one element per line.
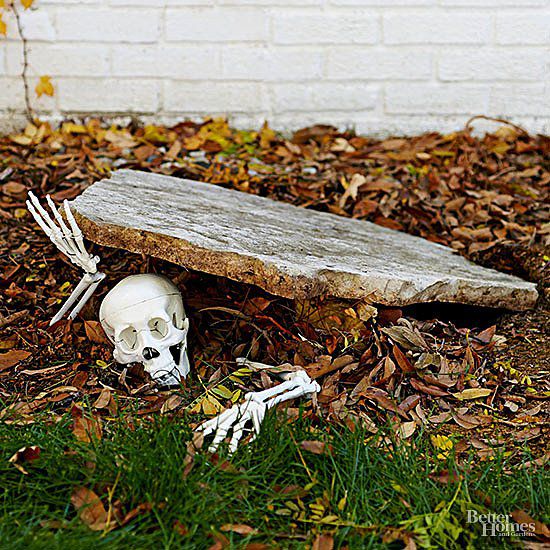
<point>150,353</point>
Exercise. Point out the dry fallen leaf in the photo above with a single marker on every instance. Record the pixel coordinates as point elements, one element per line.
<point>402,360</point>
<point>540,529</point>
<point>12,357</point>
<point>468,421</point>
<point>352,188</point>
<point>120,139</point>
<point>192,447</point>
<point>315,447</point>
<point>180,528</point>
<point>95,333</point>
<point>528,434</point>
<point>139,510</point>
<point>25,454</point>
<point>446,477</point>
<point>406,429</point>
<point>103,399</point>
<point>173,402</point>
<point>90,509</point>
<point>329,314</point>
<point>472,393</point>
<point>239,528</point>
<point>85,428</point>
<point>406,337</point>
<point>323,542</point>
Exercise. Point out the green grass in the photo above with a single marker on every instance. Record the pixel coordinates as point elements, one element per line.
<point>358,490</point>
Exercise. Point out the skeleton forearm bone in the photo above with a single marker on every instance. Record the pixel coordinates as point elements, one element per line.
<point>70,242</point>
<point>253,409</point>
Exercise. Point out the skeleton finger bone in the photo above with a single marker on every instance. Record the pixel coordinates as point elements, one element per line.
<point>253,409</point>
<point>238,432</point>
<point>249,412</point>
<point>66,232</point>
<point>68,241</point>
<point>47,225</point>
<point>229,416</point>
<point>77,235</point>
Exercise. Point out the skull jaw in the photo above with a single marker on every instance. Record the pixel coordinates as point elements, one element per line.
<point>165,371</point>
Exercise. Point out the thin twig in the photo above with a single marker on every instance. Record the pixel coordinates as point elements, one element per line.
<point>495,119</point>
<point>25,63</point>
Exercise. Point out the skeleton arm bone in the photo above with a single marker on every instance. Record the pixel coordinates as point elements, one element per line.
<point>85,288</point>
<point>255,405</point>
<point>70,242</point>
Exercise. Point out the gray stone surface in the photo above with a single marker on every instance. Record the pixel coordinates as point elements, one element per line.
<point>286,250</point>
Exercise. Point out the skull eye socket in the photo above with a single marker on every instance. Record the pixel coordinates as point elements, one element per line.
<point>129,337</point>
<point>158,328</point>
<point>178,322</point>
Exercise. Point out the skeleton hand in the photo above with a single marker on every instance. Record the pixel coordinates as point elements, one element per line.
<point>70,243</point>
<point>296,384</point>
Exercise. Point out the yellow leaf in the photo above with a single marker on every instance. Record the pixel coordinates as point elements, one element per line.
<point>329,519</point>
<point>21,139</point>
<point>223,392</point>
<point>342,502</point>
<point>66,285</point>
<point>500,148</point>
<point>155,134</point>
<point>27,3</point>
<point>472,393</point>
<point>236,396</point>
<point>193,143</point>
<point>3,28</point>
<point>507,133</point>
<point>211,406</point>
<point>44,86</point>
<point>242,372</point>
<point>442,442</point>
<point>72,128</point>
<point>366,311</point>
<point>196,408</point>
<point>398,488</point>
<point>267,135</point>
<point>30,130</point>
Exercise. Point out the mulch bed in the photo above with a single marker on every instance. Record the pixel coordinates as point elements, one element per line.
<point>481,375</point>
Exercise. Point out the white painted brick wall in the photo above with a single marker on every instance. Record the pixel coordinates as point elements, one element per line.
<point>382,66</point>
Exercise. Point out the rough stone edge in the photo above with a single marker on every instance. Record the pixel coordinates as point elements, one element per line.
<point>230,265</point>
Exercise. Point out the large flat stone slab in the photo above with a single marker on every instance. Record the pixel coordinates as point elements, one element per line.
<point>286,250</point>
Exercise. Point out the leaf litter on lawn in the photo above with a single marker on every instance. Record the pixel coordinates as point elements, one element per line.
<point>470,372</point>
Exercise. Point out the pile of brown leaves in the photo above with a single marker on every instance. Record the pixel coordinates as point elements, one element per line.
<point>487,198</point>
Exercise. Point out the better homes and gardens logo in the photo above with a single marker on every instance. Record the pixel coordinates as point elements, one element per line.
<point>500,525</point>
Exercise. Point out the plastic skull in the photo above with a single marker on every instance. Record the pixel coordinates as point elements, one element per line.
<point>143,316</point>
